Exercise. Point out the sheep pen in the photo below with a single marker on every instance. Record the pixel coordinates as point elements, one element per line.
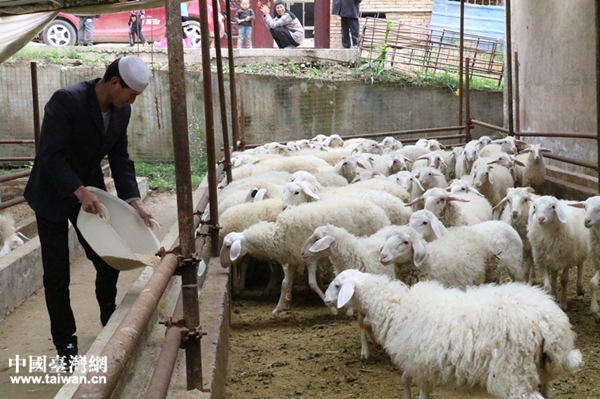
<point>309,353</point>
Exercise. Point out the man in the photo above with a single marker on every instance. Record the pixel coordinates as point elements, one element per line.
<point>349,11</point>
<point>86,27</point>
<point>82,124</point>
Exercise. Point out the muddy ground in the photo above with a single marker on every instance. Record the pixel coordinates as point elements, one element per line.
<point>309,353</point>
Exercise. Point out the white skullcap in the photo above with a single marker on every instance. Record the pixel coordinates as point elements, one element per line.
<point>134,72</point>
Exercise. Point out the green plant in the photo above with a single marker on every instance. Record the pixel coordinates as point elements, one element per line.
<point>377,66</point>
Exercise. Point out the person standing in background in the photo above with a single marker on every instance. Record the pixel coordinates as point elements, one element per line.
<point>349,11</point>
<point>184,24</point>
<point>136,21</point>
<point>84,32</point>
<point>244,17</point>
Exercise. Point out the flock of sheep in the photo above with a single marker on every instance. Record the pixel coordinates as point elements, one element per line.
<point>413,235</point>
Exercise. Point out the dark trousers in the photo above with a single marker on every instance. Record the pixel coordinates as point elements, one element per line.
<point>135,29</point>
<point>283,38</point>
<point>54,241</point>
<point>349,28</point>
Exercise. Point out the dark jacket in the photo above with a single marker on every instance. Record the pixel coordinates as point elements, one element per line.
<point>72,144</point>
<point>242,14</point>
<point>346,8</point>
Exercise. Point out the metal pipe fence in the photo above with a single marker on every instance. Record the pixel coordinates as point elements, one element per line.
<point>410,48</point>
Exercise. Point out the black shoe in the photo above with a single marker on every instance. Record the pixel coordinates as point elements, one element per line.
<point>67,354</point>
<point>131,45</point>
<point>105,313</point>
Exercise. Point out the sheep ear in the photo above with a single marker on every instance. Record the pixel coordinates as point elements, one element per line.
<point>238,161</point>
<point>419,252</point>
<point>361,165</point>
<point>544,149</point>
<point>322,244</point>
<point>530,190</point>
<point>560,212</point>
<point>520,142</point>
<point>391,163</point>
<point>310,193</point>
<point>416,180</point>
<point>577,205</point>
<point>416,201</point>
<point>530,217</point>
<point>260,195</point>
<point>519,162</point>
<point>500,204</point>
<point>458,199</point>
<point>436,172</point>
<point>526,150</point>
<point>5,249</point>
<point>235,250</point>
<point>473,190</point>
<point>346,293</point>
<point>201,268</point>
<point>422,157</point>
<point>436,225</point>
<point>490,176</point>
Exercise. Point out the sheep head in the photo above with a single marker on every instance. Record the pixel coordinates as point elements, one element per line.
<point>546,210</point>
<point>519,200</point>
<point>296,193</point>
<point>402,248</point>
<point>427,224</point>
<point>592,210</point>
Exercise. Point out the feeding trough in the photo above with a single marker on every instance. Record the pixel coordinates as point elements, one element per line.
<point>120,236</point>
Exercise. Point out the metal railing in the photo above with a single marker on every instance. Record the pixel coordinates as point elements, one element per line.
<point>408,48</point>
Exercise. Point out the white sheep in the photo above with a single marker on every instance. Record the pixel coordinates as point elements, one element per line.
<point>464,163</point>
<point>559,240</point>
<point>291,165</point>
<point>493,181</point>
<point>9,238</point>
<point>429,178</point>
<point>327,179</point>
<point>392,143</point>
<point>502,240</point>
<point>591,221</point>
<point>412,152</point>
<point>533,174</point>
<point>509,341</point>
<point>405,180</point>
<point>368,146</point>
<point>334,141</point>
<point>455,260</point>
<point>333,156</point>
<point>283,239</point>
<point>516,214</point>
<point>455,209</point>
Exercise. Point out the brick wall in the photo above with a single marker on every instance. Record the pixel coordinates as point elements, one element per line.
<point>411,12</point>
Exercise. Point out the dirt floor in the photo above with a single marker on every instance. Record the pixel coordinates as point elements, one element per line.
<point>309,353</point>
<point>26,331</point>
<point>10,190</point>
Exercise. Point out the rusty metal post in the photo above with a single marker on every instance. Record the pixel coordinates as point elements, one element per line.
<point>508,80</point>
<point>210,133</point>
<point>122,344</point>
<point>322,24</point>
<point>235,132</point>
<point>598,87</point>
<point>226,149</point>
<point>165,364</point>
<point>36,105</point>
<point>242,117</point>
<point>517,96</point>
<point>183,179</point>
<point>461,63</point>
<point>468,100</point>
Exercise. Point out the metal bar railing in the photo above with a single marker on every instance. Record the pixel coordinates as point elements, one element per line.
<point>572,161</point>
<point>558,135</point>
<point>14,176</point>
<point>17,159</point>
<point>489,126</point>
<point>17,141</point>
<point>11,202</point>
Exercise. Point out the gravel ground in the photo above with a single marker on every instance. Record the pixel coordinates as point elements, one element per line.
<point>309,353</point>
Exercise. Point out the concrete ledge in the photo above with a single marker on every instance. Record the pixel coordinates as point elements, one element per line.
<point>569,185</point>
<point>21,270</point>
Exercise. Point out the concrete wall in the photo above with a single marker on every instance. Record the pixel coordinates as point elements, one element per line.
<point>555,40</point>
<point>275,109</point>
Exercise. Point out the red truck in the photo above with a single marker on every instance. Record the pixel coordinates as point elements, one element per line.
<point>113,28</point>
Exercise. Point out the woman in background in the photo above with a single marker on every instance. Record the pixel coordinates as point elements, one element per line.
<point>285,28</point>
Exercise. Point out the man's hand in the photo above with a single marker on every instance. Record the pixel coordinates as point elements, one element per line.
<point>265,10</point>
<point>138,205</point>
<point>89,201</point>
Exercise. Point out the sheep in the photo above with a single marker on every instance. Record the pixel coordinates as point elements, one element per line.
<point>239,218</point>
<point>429,178</point>
<point>365,175</point>
<point>291,165</point>
<point>405,180</point>
<point>533,174</point>
<point>347,168</point>
<point>464,163</point>
<point>558,240</point>
<point>9,238</point>
<point>455,260</point>
<point>368,146</point>
<point>283,239</point>
<point>392,143</point>
<point>493,181</point>
<point>241,159</point>
<point>431,160</point>
<point>412,152</point>
<point>258,191</point>
<point>451,162</point>
<point>319,138</point>
<point>334,141</point>
<point>592,217</point>
<point>332,157</point>
<point>519,201</point>
<point>509,341</point>
<point>327,179</point>
<point>455,210</point>
<point>502,240</point>
<point>507,144</point>
<point>385,164</point>
<point>301,192</point>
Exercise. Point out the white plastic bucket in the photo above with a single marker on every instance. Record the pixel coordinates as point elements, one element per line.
<point>120,235</point>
